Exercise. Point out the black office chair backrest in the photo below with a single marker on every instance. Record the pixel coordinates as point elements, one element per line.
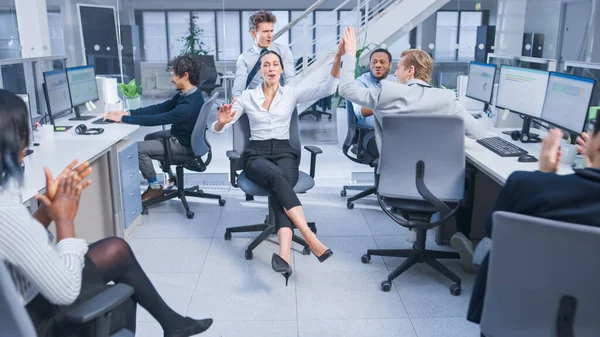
<point>351,136</point>
<point>208,69</point>
<point>14,320</point>
<point>241,136</point>
<point>436,140</point>
<point>200,144</point>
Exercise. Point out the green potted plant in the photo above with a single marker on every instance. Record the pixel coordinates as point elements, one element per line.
<point>192,45</point>
<point>131,92</point>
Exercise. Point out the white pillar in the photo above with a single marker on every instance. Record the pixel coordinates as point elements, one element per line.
<point>32,18</point>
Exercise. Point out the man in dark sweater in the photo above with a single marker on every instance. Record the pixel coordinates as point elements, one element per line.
<point>181,111</point>
<point>573,198</point>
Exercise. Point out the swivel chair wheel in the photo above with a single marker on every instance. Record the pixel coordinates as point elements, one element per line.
<point>455,290</point>
<point>386,286</point>
<point>350,205</point>
<point>227,235</point>
<point>365,258</point>
<point>306,250</point>
<point>190,215</point>
<point>144,211</point>
<point>329,118</point>
<point>318,118</point>
<point>249,255</point>
<point>343,193</point>
<point>222,202</point>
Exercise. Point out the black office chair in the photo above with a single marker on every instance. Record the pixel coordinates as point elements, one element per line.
<point>417,180</point>
<point>208,74</point>
<point>192,162</point>
<point>355,150</point>
<point>241,140</point>
<point>92,318</point>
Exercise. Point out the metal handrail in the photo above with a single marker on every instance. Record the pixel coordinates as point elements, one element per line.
<point>289,26</point>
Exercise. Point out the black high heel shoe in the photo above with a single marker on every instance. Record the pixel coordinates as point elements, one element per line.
<point>281,266</point>
<point>324,256</point>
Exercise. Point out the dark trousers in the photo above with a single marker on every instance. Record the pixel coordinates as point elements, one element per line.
<point>49,319</point>
<point>272,164</point>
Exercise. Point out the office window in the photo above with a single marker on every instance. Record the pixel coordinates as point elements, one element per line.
<point>399,46</point>
<point>57,39</point>
<point>228,37</point>
<point>297,35</point>
<point>155,36</point>
<point>325,32</point>
<point>446,34</point>
<point>283,18</point>
<point>247,40</point>
<point>348,18</point>
<point>456,35</point>
<point>9,36</point>
<point>206,22</point>
<point>178,23</point>
<point>469,21</point>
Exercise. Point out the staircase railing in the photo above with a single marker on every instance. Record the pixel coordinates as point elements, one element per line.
<point>364,11</point>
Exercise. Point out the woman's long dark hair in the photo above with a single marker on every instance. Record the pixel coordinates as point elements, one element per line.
<point>14,133</point>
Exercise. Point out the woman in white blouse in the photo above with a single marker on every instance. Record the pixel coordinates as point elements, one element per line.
<point>270,161</point>
<point>53,278</point>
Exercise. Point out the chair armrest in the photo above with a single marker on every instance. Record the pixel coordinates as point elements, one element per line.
<point>234,157</point>
<point>100,304</point>
<point>167,146</point>
<point>314,151</point>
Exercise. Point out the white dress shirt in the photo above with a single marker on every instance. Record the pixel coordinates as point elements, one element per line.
<point>275,123</point>
<point>36,264</point>
<point>248,59</point>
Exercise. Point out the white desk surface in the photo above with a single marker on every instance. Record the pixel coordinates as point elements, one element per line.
<point>500,168</point>
<point>66,147</point>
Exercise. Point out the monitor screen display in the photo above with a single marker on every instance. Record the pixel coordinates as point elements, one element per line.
<point>57,88</point>
<point>481,81</point>
<point>567,101</point>
<point>82,85</point>
<point>522,90</point>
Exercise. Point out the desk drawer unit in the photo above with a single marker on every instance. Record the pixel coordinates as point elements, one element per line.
<point>132,203</point>
<point>130,184</point>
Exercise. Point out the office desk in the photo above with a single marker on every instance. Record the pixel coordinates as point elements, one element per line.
<point>101,207</point>
<point>493,171</point>
<point>500,168</point>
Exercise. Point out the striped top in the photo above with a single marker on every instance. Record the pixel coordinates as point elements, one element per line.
<point>36,264</point>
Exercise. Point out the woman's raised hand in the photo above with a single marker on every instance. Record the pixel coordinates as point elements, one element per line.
<point>225,114</point>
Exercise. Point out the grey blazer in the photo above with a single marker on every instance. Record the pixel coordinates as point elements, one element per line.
<point>415,96</point>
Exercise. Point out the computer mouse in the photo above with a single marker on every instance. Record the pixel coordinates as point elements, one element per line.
<point>526,158</point>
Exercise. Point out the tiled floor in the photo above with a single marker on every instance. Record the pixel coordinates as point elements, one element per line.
<point>202,275</point>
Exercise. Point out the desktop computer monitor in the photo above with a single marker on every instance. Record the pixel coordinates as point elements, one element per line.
<point>567,101</point>
<point>522,91</point>
<point>481,81</point>
<point>58,98</point>
<point>83,88</point>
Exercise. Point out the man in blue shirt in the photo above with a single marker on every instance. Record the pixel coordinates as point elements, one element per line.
<point>181,112</point>
<point>380,64</point>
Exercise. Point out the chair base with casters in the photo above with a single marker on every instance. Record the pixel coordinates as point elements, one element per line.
<point>417,214</point>
<point>419,254</point>
<point>365,192</point>
<point>181,193</point>
<point>267,229</point>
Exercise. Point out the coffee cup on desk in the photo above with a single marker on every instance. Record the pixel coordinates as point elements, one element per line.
<point>569,152</point>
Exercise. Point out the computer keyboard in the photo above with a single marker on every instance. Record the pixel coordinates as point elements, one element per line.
<point>102,121</point>
<point>501,147</point>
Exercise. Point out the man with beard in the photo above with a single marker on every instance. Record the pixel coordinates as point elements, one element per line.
<point>380,64</point>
